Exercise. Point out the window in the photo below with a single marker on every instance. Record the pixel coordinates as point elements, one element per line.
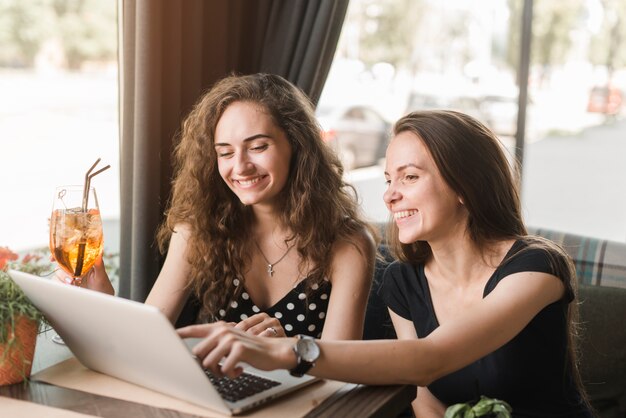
<point>395,56</point>
<point>58,112</point>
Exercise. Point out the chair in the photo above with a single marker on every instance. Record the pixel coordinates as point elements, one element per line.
<point>603,348</point>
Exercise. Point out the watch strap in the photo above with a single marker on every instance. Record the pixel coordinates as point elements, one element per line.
<point>301,368</point>
<point>302,365</point>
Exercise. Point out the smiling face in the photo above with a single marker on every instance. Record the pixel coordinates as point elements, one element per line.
<point>424,207</point>
<point>253,154</point>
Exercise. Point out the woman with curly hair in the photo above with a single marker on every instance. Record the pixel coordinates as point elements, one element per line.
<point>261,227</point>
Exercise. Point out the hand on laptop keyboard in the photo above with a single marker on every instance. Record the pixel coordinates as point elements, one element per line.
<point>245,385</point>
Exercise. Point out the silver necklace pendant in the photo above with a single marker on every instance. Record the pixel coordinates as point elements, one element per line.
<point>270,266</point>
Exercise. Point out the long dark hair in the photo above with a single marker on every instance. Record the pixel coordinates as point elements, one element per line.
<point>315,204</point>
<point>473,163</point>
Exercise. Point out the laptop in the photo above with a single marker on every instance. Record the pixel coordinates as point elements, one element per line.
<point>136,343</point>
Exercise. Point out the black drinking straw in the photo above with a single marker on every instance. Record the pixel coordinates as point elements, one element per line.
<point>81,246</point>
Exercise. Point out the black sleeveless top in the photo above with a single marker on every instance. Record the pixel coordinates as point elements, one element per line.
<point>529,372</point>
<point>296,313</point>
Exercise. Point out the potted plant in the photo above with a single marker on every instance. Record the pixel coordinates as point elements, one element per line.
<point>19,318</point>
<point>485,407</point>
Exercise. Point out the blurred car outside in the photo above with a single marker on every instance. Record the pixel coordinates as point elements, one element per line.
<point>358,134</point>
<point>497,111</point>
<point>605,99</point>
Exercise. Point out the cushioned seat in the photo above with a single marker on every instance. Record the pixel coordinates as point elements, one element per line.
<point>603,348</point>
<point>598,262</point>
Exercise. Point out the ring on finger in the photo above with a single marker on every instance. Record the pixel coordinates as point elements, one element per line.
<point>272,330</point>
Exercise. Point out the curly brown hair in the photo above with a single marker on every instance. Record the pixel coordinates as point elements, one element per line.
<point>317,206</point>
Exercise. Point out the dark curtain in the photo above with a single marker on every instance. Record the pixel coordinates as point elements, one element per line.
<point>171,52</point>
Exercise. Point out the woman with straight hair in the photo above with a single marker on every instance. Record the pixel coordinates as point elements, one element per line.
<point>479,306</point>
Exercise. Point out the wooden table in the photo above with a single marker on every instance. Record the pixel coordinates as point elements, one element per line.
<point>351,401</point>
<point>358,401</point>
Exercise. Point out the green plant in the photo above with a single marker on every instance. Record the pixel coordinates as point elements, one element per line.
<point>19,318</point>
<point>14,302</point>
<point>485,407</point>
<point>112,265</point>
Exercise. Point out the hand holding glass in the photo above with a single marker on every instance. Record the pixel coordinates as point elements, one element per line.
<point>76,238</point>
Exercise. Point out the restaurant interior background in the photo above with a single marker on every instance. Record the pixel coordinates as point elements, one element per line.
<point>59,101</point>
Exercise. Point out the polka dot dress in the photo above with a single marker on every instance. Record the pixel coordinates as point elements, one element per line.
<point>296,313</point>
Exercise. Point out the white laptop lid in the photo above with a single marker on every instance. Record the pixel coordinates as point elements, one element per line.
<point>135,342</point>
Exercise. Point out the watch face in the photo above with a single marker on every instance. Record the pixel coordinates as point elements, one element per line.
<point>308,350</point>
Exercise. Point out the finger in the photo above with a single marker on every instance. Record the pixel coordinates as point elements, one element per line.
<point>206,345</point>
<point>213,367</point>
<point>251,321</point>
<point>207,353</point>
<point>230,364</point>
<point>61,276</point>
<point>280,331</point>
<point>232,374</point>
<point>265,330</point>
<point>218,349</point>
<point>197,331</point>
<point>268,332</point>
<point>87,278</point>
<point>212,334</point>
<point>99,262</point>
<point>242,325</point>
<point>238,371</point>
<point>97,277</point>
<point>272,323</point>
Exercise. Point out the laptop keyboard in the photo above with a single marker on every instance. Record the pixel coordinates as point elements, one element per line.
<point>247,384</point>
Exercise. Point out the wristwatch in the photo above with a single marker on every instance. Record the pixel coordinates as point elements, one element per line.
<point>307,352</point>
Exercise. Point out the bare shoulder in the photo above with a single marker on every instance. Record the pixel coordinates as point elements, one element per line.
<point>361,242</point>
<point>179,240</point>
<point>353,258</point>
